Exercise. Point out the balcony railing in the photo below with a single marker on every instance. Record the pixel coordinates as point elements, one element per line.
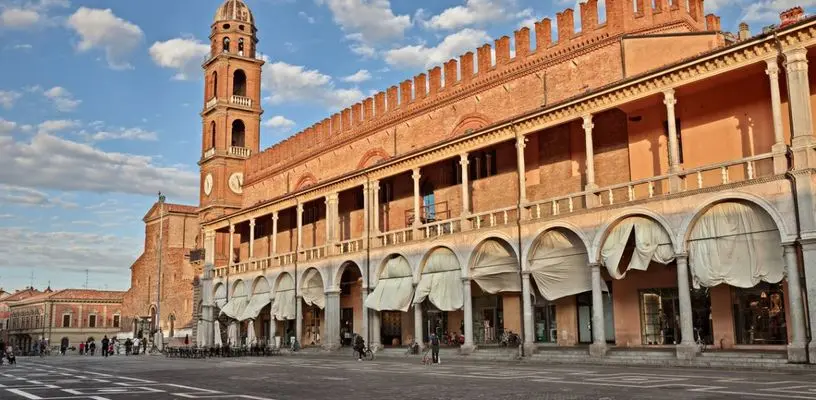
<point>493,218</point>
<point>441,228</point>
<point>240,152</point>
<point>241,101</point>
<point>209,153</point>
<point>313,253</point>
<point>349,246</point>
<point>396,237</point>
<point>211,103</point>
<point>286,258</point>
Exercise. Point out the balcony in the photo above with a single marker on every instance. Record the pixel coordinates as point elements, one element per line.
<point>209,153</point>
<point>241,101</point>
<point>242,152</point>
<point>211,103</point>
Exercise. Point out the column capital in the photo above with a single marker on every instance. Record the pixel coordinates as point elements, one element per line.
<point>332,292</point>
<point>300,208</point>
<point>463,159</point>
<point>466,279</point>
<point>668,97</point>
<point>681,255</point>
<point>416,175</point>
<point>796,54</point>
<point>275,216</point>
<point>588,125</point>
<point>521,142</point>
<point>232,228</point>
<point>252,222</point>
<point>209,234</point>
<point>365,186</point>
<point>595,265</point>
<point>773,67</point>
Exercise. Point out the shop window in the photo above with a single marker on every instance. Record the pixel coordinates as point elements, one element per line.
<point>759,314</point>
<point>92,321</point>
<point>116,321</point>
<point>545,323</point>
<point>679,139</point>
<point>659,316</point>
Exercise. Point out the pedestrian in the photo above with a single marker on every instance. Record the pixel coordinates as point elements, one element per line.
<point>136,346</point>
<point>93,348</point>
<point>81,348</point>
<point>359,347</point>
<point>128,346</point>
<point>105,346</point>
<point>435,347</point>
<point>187,340</point>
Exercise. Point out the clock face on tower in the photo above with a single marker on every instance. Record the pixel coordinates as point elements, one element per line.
<point>208,184</point>
<point>236,181</point>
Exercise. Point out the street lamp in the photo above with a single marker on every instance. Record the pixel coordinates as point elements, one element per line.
<point>159,277</point>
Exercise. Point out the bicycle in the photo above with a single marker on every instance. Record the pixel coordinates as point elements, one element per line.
<point>427,359</point>
<point>698,339</point>
<point>368,355</point>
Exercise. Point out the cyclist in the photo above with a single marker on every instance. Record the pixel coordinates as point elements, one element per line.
<point>359,346</point>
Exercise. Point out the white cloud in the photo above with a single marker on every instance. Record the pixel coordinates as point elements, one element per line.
<point>364,50</point>
<point>766,11</point>
<point>358,77</point>
<point>123,134</point>
<point>19,195</point>
<point>307,17</point>
<point>279,122</point>
<point>62,98</point>
<point>294,83</point>
<point>8,98</point>
<point>6,127</point>
<point>182,54</point>
<point>102,29</point>
<point>17,18</point>
<point>54,126</point>
<point>374,20</point>
<point>473,12</point>
<point>421,56</point>
<point>23,46</point>
<point>47,162</point>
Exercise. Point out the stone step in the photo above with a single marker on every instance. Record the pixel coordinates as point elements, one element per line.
<point>738,354</point>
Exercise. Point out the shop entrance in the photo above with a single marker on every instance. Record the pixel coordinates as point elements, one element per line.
<point>391,328</point>
<point>546,325</point>
<point>759,315</point>
<point>488,318</point>
<point>584,301</point>
<point>346,325</point>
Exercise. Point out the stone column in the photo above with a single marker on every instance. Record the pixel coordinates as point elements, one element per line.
<point>469,346</point>
<point>779,147</point>
<point>796,66</point>
<point>273,327</point>
<point>299,318</point>
<point>591,198</point>
<point>299,227</point>
<point>366,209</point>
<point>527,304</point>
<point>598,347</point>
<point>675,183</point>
<point>797,349</point>
<point>687,349</point>
<point>375,200</point>
<point>231,255</point>
<point>366,313</point>
<point>418,323</point>
<point>331,338</point>
<point>417,198</point>
<point>207,300</point>
<point>521,144</point>
<point>463,162</point>
<point>328,221</point>
<point>274,249</point>
<point>376,340</point>
<point>252,238</point>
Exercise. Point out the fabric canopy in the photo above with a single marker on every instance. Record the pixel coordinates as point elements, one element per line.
<point>235,307</point>
<point>284,306</point>
<point>217,334</point>
<point>200,333</point>
<point>652,243</point>
<point>313,293</point>
<point>250,333</point>
<point>395,287</point>
<point>220,296</point>
<point>736,244</point>
<point>256,303</point>
<point>560,266</point>
<point>232,334</point>
<point>441,281</point>
<point>496,269</point>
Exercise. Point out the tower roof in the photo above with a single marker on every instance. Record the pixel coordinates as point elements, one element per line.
<point>234,10</point>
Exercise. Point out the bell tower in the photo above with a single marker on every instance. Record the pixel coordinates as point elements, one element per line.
<point>232,109</point>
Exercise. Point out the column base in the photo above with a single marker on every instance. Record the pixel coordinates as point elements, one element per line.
<point>798,353</point>
<point>467,349</point>
<point>780,158</point>
<point>598,350</point>
<point>376,347</point>
<point>687,351</point>
<point>530,349</point>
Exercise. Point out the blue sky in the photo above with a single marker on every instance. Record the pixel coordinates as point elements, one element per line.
<point>99,103</point>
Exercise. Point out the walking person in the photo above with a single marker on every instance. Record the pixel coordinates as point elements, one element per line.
<point>105,346</point>
<point>128,346</point>
<point>435,347</point>
<point>81,348</point>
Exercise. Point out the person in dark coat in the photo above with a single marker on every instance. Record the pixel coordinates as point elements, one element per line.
<point>105,344</point>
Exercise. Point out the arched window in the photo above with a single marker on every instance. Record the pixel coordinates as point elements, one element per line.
<point>241,46</point>
<point>238,131</point>
<point>212,134</point>
<point>214,84</point>
<point>239,83</point>
<point>226,47</point>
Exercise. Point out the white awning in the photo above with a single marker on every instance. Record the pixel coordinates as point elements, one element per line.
<point>560,266</point>
<point>394,288</point>
<point>220,296</point>
<point>284,306</point>
<point>651,243</point>
<point>256,303</point>
<point>441,281</point>
<point>737,244</point>
<point>496,269</point>
<point>235,307</point>
<point>217,334</point>
<point>313,293</point>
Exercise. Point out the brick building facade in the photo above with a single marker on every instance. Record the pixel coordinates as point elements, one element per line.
<point>69,316</point>
<point>641,182</point>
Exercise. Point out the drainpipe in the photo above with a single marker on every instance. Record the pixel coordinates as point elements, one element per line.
<point>519,208</point>
<point>368,259</point>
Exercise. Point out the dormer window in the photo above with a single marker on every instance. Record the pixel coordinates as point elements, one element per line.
<point>226,47</point>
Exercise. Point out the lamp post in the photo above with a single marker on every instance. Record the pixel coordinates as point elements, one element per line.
<point>159,277</point>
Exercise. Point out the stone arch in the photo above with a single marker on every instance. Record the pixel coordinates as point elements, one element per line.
<point>219,290</point>
<point>238,288</point>
<point>566,226</point>
<point>373,157</point>
<point>500,266</point>
<point>785,233</point>
<point>385,260</point>
<point>430,252</point>
<point>283,276</point>
<point>558,262</point>
<point>501,236</point>
<point>302,276</point>
<point>260,285</point>
<point>603,232</point>
<point>239,82</point>
<point>305,180</point>
<point>338,276</point>
<point>238,133</point>
<point>469,123</point>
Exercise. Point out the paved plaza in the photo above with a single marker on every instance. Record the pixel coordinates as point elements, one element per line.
<point>314,377</point>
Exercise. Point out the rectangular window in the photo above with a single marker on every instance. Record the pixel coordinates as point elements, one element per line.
<point>679,138</point>
<point>660,315</point>
<point>115,321</point>
<point>92,321</point>
<point>66,321</point>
